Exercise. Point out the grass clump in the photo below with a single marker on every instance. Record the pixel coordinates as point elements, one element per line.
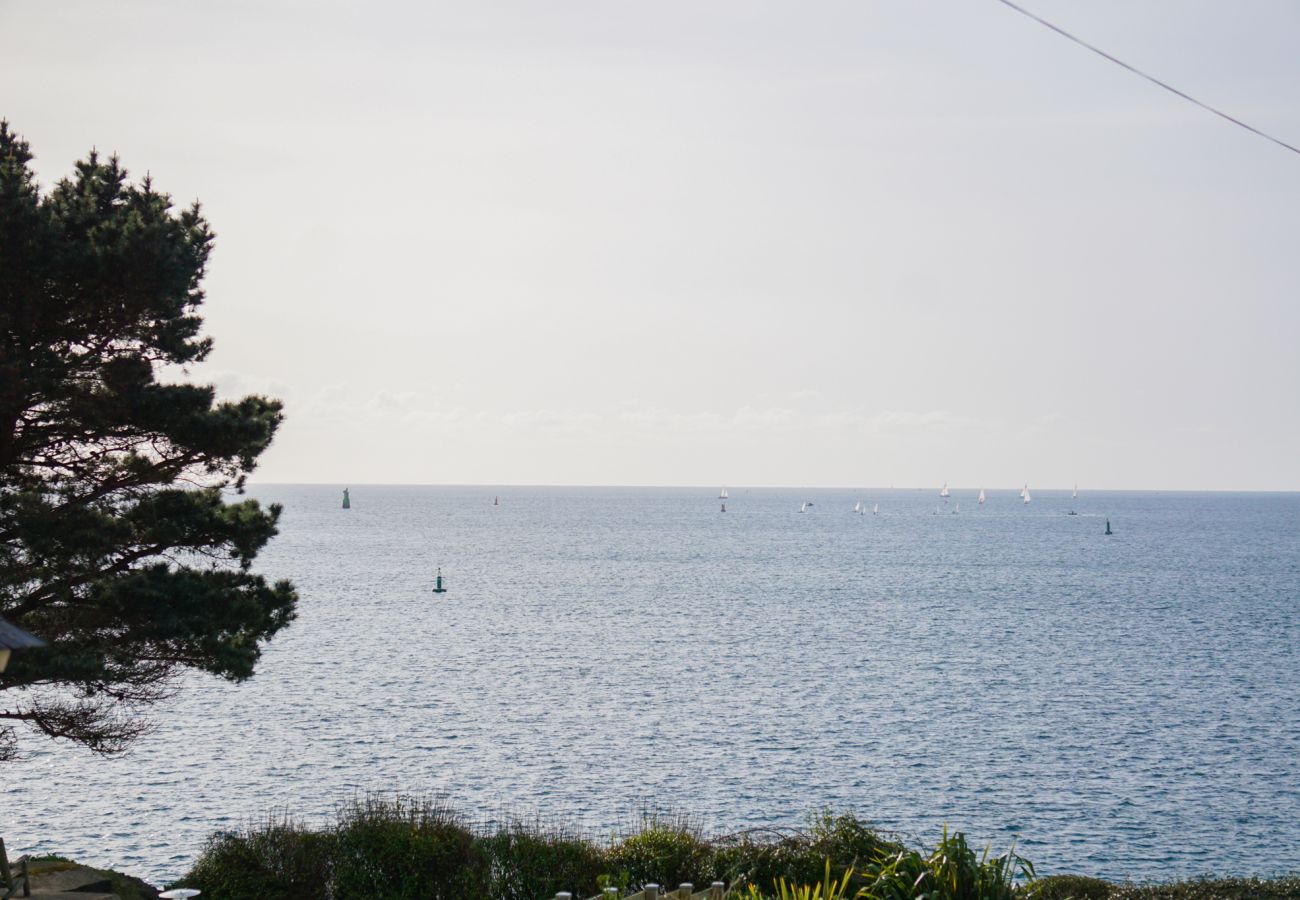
<point>278,858</point>
<point>768,856</point>
<point>664,851</point>
<point>526,862</point>
<point>1071,887</point>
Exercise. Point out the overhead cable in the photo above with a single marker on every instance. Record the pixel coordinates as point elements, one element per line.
<point>1150,78</point>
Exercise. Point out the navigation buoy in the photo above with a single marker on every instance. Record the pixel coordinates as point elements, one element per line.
<point>1108,531</point>
<point>347,501</point>
<point>496,501</point>
<point>437,584</point>
<point>724,507</point>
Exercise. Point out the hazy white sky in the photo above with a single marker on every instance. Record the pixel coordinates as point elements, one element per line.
<point>861,243</point>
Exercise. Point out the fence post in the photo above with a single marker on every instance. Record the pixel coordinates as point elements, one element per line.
<point>27,881</point>
<point>652,892</point>
<point>611,892</point>
<point>4,866</point>
<point>685,889</point>
<point>563,895</point>
<point>716,889</point>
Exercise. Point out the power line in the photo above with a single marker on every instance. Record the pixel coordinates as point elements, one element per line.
<point>1150,78</point>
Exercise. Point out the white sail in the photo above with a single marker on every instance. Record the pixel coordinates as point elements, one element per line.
<point>803,507</point>
<point>1024,490</point>
<point>943,492</point>
<point>875,510</point>
<point>1026,495</point>
<point>1075,495</point>
<point>723,495</point>
<point>981,496</point>
<point>857,507</point>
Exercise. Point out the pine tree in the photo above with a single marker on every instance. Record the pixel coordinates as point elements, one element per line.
<point>123,541</point>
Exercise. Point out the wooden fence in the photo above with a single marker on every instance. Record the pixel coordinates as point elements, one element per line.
<point>13,885</point>
<point>653,892</point>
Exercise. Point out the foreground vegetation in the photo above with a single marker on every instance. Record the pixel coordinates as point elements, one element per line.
<point>401,848</point>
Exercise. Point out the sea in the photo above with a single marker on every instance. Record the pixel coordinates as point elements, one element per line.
<point>1123,705</point>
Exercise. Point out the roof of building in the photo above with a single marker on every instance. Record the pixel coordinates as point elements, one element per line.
<point>14,638</point>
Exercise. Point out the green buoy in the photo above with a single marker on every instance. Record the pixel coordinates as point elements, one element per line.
<point>347,502</point>
<point>437,584</point>
<point>1108,531</point>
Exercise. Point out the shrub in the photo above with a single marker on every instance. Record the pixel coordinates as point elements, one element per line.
<point>763,857</point>
<point>950,872</point>
<point>1287,888</point>
<point>532,862</point>
<point>278,860</point>
<point>1071,887</point>
<point>665,852</point>
<point>404,847</point>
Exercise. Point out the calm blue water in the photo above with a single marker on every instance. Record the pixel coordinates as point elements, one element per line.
<point>1125,706</point>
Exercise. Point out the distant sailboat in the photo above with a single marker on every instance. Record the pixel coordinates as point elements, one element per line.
<point>1024,490</point>
<point>943,492</point>
<point>875,510</point>
<point>957,508</point>
<point>857,507</point>
<point>803,506</point>
<point>981,497</point>
<point>723,495</point>
<point>1025,495</point>
<point>1075,495</point>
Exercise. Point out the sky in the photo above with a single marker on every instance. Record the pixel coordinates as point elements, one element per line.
<point>869,243</point>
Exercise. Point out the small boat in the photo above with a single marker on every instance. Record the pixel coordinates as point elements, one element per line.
<point>803,507</point>
<point>1075,495</point>
<point>723,495</point>
<point>957,509</point>
<point>981,501</point>
<point>809,503</point>
<point>857,507</point>
<point>875,510</point>
<point>724,507</point>
<point>1024,490</point>
<point>1025,496</point>
<point>943,491</point>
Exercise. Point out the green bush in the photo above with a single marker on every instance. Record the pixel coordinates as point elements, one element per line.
<point>764,857</point>
<point>279,859</point>
<point>530,863</point>
<point>406,848</point>
<point>1071,887</point>
<point>664,852</point>
<point>1287,888</point>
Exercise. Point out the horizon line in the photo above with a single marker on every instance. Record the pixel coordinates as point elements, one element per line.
<point>774,487</point>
